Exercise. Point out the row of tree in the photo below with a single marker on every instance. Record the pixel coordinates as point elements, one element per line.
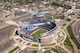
<point>21,2</point>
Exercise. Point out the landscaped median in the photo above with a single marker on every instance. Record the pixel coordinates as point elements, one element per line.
<point>13,50</point>
<point>69,29</point>
<point>35,45</point>
<point>5,27</point>
<point>34,51</point>
<point>68,43</point>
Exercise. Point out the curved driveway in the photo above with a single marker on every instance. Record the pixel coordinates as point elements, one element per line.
<point>76,30</point>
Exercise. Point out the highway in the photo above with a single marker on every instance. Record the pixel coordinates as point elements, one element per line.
<point>76,30</point>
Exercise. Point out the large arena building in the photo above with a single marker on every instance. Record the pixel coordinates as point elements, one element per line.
<point>37,29</point>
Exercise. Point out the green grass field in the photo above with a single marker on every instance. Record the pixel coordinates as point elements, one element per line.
<point>68,43</point>
<point>38,33</point>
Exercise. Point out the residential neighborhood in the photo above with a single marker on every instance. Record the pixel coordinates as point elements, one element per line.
<point>39,26</point>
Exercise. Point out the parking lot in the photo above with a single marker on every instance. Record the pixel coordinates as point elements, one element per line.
<point>5,34</point>
<point>5,41</point>
<point>6,45</point>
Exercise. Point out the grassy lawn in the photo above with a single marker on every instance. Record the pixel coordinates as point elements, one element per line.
<point>64,24</point>
<point>34,51</point>
<point>55,50</point>
<point>47,52</point>
<point>47,44</point>
<point>38,33</point>
<point>69,29</point>
<point>11,51</point>
<point>68,43</point>
<point>56,16</point>
<point>35,45</point>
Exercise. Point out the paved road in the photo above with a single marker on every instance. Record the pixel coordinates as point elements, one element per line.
<point>76,30</point>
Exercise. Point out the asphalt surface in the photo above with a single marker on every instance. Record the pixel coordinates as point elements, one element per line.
<point>5,42</point>
<point>5,34</point>
<point>76,30</point>
<point>6,45</point>
<point>20,18</point>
